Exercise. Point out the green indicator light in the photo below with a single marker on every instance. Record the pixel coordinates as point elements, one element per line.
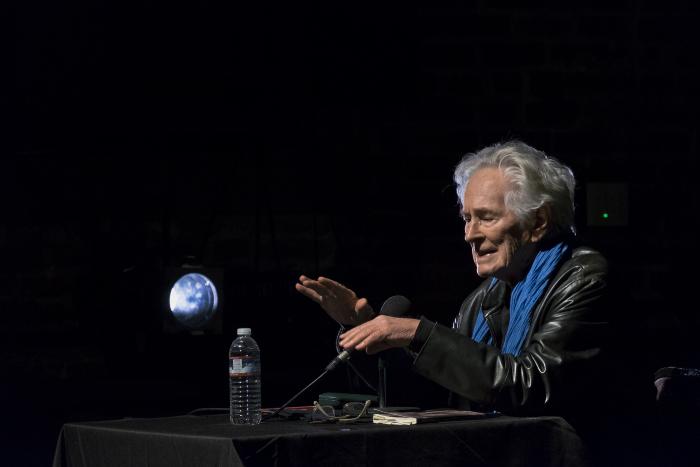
<point>605,215</point>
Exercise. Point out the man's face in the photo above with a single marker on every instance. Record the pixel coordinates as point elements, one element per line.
<point>492,231</point>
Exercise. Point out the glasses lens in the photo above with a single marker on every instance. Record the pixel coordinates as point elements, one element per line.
<point>353,408</point>
<point>361,413</point>
<point>322,412</point>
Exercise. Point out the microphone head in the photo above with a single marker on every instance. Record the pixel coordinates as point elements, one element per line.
<point>396,306</point>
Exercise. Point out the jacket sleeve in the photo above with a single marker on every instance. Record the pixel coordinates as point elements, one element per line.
<point>562,350</point>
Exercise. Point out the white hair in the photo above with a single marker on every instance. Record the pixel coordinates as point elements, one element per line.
<point>536,180</point>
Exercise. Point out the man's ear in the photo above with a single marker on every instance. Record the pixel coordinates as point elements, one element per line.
<point>541,223</point>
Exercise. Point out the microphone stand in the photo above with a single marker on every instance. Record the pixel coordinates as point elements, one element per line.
<point>381,383</point>
<point>286,404</point>
<point>342,357</point>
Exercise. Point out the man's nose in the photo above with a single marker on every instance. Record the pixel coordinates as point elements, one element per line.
<point>471,231</point>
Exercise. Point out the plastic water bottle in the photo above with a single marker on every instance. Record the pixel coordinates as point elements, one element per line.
<point>244,379</point>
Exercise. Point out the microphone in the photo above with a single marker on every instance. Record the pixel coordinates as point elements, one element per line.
<point>341,357</point>
<point>395,306</point>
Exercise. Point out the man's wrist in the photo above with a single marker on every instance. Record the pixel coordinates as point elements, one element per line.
<point>423,331</point>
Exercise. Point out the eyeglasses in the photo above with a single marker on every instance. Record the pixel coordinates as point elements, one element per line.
<point>352,412</point>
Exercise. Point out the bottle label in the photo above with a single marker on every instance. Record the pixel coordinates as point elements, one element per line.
<point>243,366</point>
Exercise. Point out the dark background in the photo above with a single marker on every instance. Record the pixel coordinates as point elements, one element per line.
<point>268,141</point>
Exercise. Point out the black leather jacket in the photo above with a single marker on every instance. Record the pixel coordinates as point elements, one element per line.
<point>561,356</point>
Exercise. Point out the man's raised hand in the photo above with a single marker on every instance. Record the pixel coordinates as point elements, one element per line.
<point>341,303</point>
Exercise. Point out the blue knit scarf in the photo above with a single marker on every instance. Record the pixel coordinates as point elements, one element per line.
<point>523,298</point>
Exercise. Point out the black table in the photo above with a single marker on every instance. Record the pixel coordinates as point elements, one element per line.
<point>192,441</point>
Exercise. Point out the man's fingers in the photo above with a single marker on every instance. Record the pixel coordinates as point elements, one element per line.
<point>359,337</point>
<point>331,282</point>
<point>307,292</point>
<point>350,338</point>
<point>316,287</point>
<point>333,285</point>
<point>372,343</point>
<point>380,334</point>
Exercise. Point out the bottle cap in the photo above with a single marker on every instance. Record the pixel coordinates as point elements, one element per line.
<point>244,332</point>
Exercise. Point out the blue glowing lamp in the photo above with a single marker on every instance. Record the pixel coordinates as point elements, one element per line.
<point>194,300</point>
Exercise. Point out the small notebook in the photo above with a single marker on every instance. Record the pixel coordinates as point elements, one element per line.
<point>424,416</point>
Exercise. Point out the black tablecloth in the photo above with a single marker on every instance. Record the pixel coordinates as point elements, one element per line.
<point>193,441</point>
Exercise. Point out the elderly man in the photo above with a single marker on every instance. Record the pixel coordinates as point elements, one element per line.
<point>530,336</point>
